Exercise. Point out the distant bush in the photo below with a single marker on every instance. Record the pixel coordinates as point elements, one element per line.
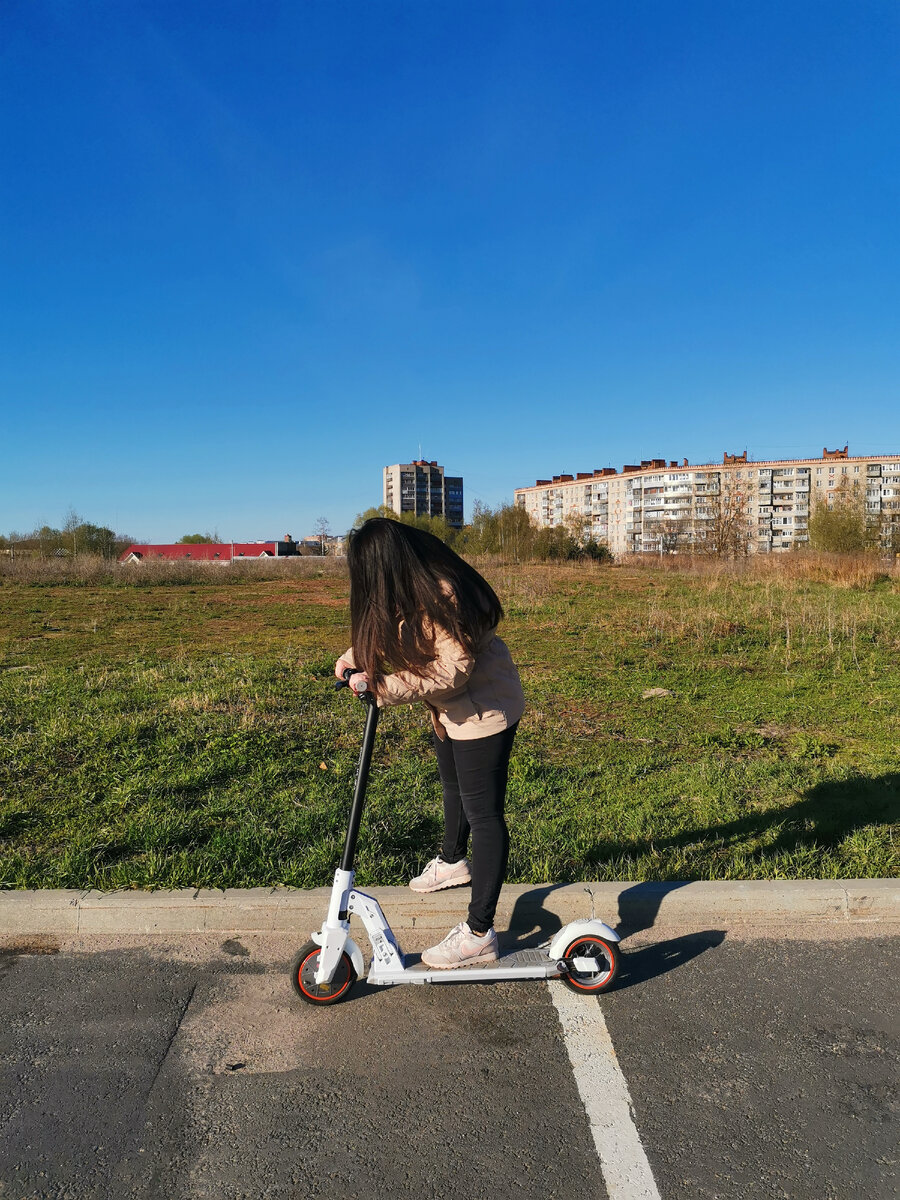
<point>509,533</point>
<point>95,571</point>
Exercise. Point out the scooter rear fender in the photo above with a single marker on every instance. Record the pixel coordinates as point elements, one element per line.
<point>577,929</point>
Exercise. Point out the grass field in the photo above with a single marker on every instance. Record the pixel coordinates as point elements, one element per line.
<point>184,732</point>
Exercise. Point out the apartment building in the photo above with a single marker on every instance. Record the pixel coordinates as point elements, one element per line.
<point>658,506</point>
<point>422,488</point>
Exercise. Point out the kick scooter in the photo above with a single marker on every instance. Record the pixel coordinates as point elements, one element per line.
<point>584,954</point>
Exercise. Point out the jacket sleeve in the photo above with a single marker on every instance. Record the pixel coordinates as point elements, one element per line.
<point>447,675</point>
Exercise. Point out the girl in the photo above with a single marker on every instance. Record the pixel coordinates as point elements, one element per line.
<point>424,630</point>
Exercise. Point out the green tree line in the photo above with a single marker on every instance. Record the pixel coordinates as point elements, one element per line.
<point>77,536</point>
<point>506,531</point>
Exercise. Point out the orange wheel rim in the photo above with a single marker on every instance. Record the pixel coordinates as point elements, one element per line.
<point>317,996</point>
<point>597,983</point>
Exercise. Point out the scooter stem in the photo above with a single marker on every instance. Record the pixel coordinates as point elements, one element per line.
<point>362,778</point>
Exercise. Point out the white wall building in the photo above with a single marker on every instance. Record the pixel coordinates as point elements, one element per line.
<point>658,506</point>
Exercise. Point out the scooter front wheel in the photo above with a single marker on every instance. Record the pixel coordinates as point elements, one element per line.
<point>608,960</point>
<point>303,977</point>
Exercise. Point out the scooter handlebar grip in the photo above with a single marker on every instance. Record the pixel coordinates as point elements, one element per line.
<point>345,682</point>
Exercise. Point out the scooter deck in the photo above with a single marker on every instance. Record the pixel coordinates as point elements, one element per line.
<point>521,964</point>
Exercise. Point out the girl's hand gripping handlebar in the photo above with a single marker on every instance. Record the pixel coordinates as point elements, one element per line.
<point>359,685</point>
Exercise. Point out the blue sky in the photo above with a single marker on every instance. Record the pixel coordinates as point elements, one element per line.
<point>250,252</point>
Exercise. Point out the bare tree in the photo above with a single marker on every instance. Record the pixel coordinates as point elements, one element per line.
<point>578,526</point>
<point>890,533</point>
<point>322,530</point>
<point>672,533</point>
<point>725,531</point>
<point>73,524</point>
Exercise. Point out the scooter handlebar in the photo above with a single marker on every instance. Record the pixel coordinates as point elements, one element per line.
<point>344,681</point>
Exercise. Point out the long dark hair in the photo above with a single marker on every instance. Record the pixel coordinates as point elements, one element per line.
<point>402,574</point>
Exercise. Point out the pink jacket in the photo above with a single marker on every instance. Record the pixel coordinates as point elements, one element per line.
<point>470,696</point>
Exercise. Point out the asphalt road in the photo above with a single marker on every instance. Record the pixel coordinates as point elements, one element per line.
<point>756,1068</point>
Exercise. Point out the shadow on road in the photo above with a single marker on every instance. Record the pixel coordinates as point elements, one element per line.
<point>531,924</point>
<point>639,905</point>
<point>639,966</point>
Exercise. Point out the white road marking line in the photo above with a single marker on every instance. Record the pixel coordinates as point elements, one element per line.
<point>604,1094</point>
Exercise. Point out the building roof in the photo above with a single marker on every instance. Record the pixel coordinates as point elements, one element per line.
<point>200,552</point>
<point>658,465</point>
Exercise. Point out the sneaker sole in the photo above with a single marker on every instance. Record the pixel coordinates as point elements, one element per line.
<point>466,962</point>
<point>439,887</point>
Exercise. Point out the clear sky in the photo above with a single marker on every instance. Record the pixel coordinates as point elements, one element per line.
<point>251,252</point>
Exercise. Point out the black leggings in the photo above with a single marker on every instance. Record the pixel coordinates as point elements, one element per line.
<point>473,775</point>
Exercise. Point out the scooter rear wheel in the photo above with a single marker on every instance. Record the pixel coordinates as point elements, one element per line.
<point>303,977</point>
<point>609,960</point>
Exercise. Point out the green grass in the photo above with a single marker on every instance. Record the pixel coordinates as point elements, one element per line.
<point>172,736</point>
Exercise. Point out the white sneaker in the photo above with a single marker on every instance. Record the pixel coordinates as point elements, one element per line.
<point>462,948</point>
<point>439,874</point>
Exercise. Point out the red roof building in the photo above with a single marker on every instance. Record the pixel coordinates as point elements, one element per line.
<point>211,552</point>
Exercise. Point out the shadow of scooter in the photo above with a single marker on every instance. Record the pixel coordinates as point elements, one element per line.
<point>531,924</point>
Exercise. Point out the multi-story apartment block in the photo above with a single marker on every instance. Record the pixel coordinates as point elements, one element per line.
<point>735,505</point>
<point>422,488</point>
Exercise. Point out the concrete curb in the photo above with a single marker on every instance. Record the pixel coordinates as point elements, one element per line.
<point>631,907</point>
